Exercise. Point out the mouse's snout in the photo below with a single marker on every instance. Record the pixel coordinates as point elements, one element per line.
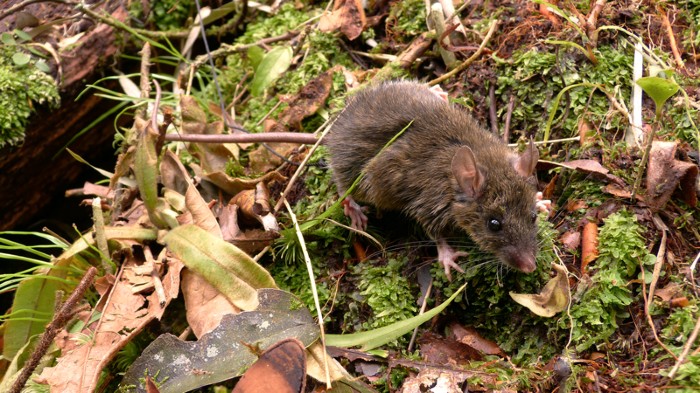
<point>521,260</point>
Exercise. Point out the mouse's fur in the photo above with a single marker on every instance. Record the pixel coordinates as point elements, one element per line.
<point>416,174</point>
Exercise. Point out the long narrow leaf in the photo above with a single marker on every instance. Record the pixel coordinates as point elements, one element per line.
<point>378,337</point>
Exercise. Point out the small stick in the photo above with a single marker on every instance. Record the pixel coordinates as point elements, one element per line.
<point>470,60</point>
<point>59,321</point>
<point>100,237</point>
<point>686,349</point>
<point>509,116</point>
<point>672,39</point>
<point>492,109</point>
<point>291,137</point>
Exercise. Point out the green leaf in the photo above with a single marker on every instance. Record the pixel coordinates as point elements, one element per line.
<point>32,309</point>
<point>7,39</point>
<point>378,337</point>
<point>146,173</point>
<point>220,12</point>
<point>273,64</point>
<point>233,272</point>
<point>42,66</point>
<point>659,89</point>
<point>21,59</point>
<point>255,55</point>
<point>25,37</point>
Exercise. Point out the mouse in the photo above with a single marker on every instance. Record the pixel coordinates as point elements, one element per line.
<point>444,171</point>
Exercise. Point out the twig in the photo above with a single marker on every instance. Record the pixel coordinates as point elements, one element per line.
<point>686,349</point>
<point>422,311</point>
<point>59,321</point>
<point>492,109</point>
<point>592,21</point>
<point>312,282</point>
<point>671,39</point>
<point>17,7</point>
<point>650,321</point>
<point>290,137</point>
<point>100,237</point>
<point>509,116</point>
<point>470,60</point>
<point>660,256</point>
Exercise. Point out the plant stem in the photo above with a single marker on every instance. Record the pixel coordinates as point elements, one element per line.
<point>647,150</point>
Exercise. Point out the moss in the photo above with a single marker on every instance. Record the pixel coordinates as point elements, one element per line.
<point>20,89</point>
<point>536,76</point>
<point>604,303</point>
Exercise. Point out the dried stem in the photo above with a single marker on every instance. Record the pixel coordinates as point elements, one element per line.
<point>470,60</point>
<point>59,321</point>
<point>290,137</point>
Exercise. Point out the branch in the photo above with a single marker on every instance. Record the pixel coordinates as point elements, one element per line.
<point>268,137</point>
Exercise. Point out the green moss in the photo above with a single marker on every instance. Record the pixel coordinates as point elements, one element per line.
<point>265,25</point>
<point>21,88</point>
<point>604,303</point>
<point>384,291</point>
<point>407,19</point>
<point>535,77</point>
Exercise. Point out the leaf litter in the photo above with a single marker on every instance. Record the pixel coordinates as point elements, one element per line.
<point>206,211</point>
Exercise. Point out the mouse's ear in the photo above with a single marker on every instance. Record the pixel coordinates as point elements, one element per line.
<point>525,163</point>
<point>467,173</point>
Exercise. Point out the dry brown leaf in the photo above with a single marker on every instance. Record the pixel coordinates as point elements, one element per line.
<point>194,119</point>
<point>263,161</point>
<point>127,313</point>
<point>589,245</point>
<point>255,206</point>
<point>233,186</point>
<point>470,337</point>
<point>308,100</point>
<point>669,291</point>
<point>553,298</point>
<point>348,16</point>
<point>205,305</point>
<point>439,350</point>
<point>281,368</point>
<point>666,174</point>
<point>570,240</point>
<point>202,215</point>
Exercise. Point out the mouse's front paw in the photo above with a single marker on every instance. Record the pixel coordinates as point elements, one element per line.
<point>447,257</point>
<point>358,219</point>
<point>543,205</point>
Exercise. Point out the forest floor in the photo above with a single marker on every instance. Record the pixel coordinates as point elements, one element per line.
<point>213,250</point>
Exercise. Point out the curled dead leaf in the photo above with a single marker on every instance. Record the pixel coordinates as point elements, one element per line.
<point>348,16</point>
<point>553,298</point>
<point>281,368</point>
<point>667,174</point>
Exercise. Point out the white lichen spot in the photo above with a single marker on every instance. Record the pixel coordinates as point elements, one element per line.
<point>181,360</point>
<point>212,351</point>
<point>264,325</point>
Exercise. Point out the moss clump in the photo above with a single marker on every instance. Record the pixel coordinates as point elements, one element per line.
<point>604,303</point>
<point>21,87</point>
<point>536,76</point>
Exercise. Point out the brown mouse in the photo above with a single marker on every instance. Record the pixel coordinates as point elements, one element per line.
<point>445,171</point>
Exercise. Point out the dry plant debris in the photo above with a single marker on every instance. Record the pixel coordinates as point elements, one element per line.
<point>202,276</point>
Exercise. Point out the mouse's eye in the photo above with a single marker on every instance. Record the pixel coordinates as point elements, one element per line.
<point>533,216</point>
<point>494,224</point>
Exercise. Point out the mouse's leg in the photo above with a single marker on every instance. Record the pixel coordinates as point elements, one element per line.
<point>358,219</point>
<point>447,257</point>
